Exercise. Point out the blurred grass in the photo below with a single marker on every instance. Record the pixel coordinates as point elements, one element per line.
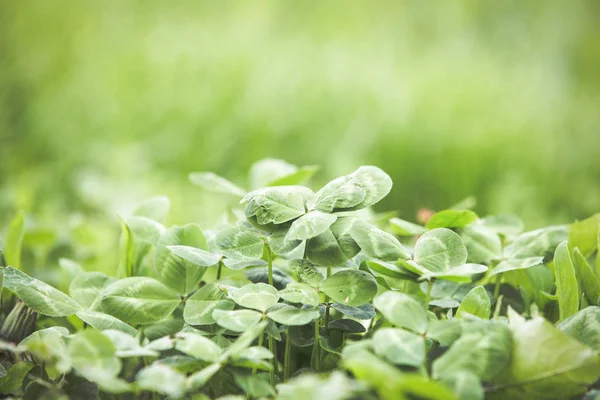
<point>105,103</point>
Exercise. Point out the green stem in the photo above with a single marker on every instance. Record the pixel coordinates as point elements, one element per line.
<point>287,359</point>
<point>269,263</point>
<point>273,350</point>
<point>316,354</point>
<point>428,295</point>
<point>497,287</point>
<point>326,319</point>
<point>219,268</point>
<point>260,343</point>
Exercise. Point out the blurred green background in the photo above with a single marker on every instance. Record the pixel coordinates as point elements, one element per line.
<point>103,104</point>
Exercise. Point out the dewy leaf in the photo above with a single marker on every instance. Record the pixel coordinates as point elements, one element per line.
<point>215,183</point>
<point>300,293</point>
<point>46,300</point>
<point>178,274</point>
<point>258,296</point>
<point>376,183</point>
<point>566,282</point>
<point>483,352</point>
<point>310,225</point>
<point>451,219</point>
<point>334,246</point>
<point>14,240</point>
<point>584,326</point>
<point>139,300</point>
<point>200,306</point>
<point>86,288</point>
<point>399,347</point>
<point>350,286</point>
<point>401,227</point>
<point>236,243</point>
<point>268,170</point>
<point>483,245</point>
<point>198,346</point>
<point>545,364</point>
<point>101,321</point>
<point>306,271</point>
<point>440,249</point>
<point>236,320</point>
<point>161,378</point>
<point>339,194</point>
<point>199,257</point>
<point>277,204</point>
<point>156,208</point>
<point>476,303</point>
<point>515,264</point>
<point>376,243</point>
<point>402,310</point>
<point>292,316</point>
<point>587,277</point>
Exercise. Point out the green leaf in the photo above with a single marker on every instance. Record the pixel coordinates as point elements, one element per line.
<point>292,316</point>
<point>46,300</point>
<point>237,265</point>
<point>483,245</point>
<point>245,340</point>
<point>483,352</point>
<point>399,347</point>
<point>465,384</point>
<point>13,240</point>
<point>301,176</point>
<point>258,296</point>
<point>280,245</point>
<point>86,288</point>
<point>200,378</point>
<point>13,380</point>
<point>508,225</point>
<point>587,277</point>
<point>584,326</point>
<point>300,293</point>
<point>200,306</point>
<point>538,243</point>
<point>401,227</point>
<point>389,269</point>
<point>516,264</point>
<point>277,204</point>
<point>144,229</point>
<point>240,244</point>
<point>376,183</point>
<point>336,386</point>
<point>236,320</point>
<point>198,257</point>
<point>376,243</point>
<point>439,250</point>
<point>139,300</point>
<point>306,271</point>
<point>175,272</point>
<point>101,321</point>
<point>568,366</point>
<point>254,385</point>
<point>156,208</point>
<point>584,234</point>
<point>93,355</point>
<point>402,310</point>
<point>126,345</point>
<point>341,193</point>
<point>451,219</point>
<point>267,171</point>
<point>566,282</point>
<point>444,331</point>
<point>310,225</point>
<point>347,325</point>
<point>162,379</point>
<point>198,346</point>
<point>334,246</point>
<point>462,273</point>
<point>476,303</point>
<point>362,312</point>
<point>351,287</point>
<point>72,268</point>
<point>216,184</point>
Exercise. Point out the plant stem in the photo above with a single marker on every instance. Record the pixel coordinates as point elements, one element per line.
<point>497,287</point>
<point>269,262</point>
<point>219,268</point>
<point>316,354</point>
<point>326,319</point>
<point>273,350</point>
<point>428,295</point>
<point>287,358</point>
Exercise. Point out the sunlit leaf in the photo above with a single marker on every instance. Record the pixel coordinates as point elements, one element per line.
<point>215,183</point>
<point>351,287</point>
<point>451,219</point>
<point>258,296</point>
<point>162,379</point>
<point>402,311</point>
<point>277,204</point>
<point>439,250</point>
<point>292,316</point>
<point>566,282</point>
<point>236,320</point>
<point>310,225</point>
<point>476,303</point>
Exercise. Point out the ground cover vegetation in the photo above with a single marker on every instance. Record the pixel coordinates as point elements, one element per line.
<point>302,294</point>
